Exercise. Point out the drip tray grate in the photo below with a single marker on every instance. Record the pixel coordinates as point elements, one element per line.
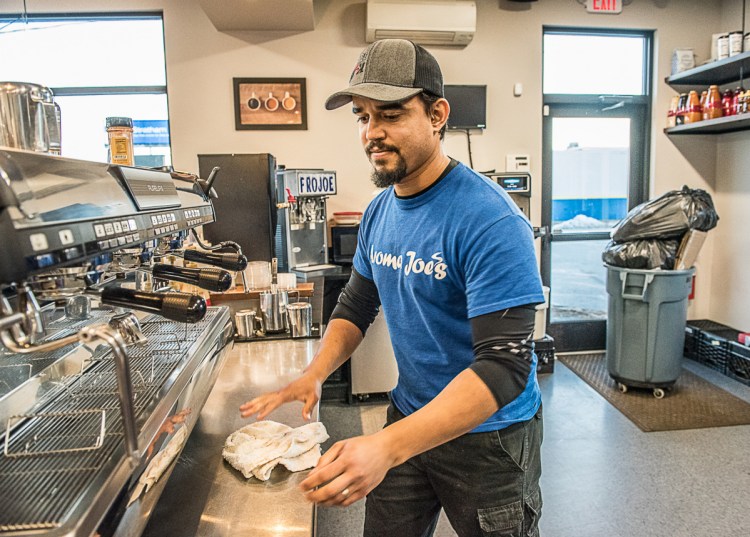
<point>52,458</point>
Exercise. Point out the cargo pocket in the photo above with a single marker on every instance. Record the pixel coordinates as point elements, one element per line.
<point>533,512</point>
<point>502,521</point>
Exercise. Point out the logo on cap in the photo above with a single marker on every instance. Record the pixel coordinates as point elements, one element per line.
<point>360,64</point>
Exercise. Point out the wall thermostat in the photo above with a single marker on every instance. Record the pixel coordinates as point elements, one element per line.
<point>517,163</point>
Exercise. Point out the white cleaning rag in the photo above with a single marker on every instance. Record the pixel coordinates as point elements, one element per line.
<point>257,448</point>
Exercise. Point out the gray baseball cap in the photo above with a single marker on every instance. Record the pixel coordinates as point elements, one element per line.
<point>391,70</point>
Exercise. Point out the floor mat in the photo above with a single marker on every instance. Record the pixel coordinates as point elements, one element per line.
<point>693,403</point>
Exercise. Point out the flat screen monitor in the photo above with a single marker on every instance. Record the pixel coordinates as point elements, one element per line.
<point>468,106</point>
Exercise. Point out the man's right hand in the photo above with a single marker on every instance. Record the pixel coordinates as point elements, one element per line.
<point>307,389</point>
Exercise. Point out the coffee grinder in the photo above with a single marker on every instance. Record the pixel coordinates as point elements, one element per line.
<point>301,237</point>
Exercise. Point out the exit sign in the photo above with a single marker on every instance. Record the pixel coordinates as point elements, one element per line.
<point>604,6</point>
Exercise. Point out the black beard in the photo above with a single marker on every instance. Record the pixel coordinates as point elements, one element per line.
<point>386,178</point>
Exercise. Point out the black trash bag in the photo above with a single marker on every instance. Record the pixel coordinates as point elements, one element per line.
<point>669,216</point>
<point>642,254</point>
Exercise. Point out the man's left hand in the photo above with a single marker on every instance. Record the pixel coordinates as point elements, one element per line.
<point>348,471</point>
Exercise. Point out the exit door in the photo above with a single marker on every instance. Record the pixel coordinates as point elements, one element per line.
<point>595,164</point>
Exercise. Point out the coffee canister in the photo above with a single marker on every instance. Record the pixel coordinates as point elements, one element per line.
<point>722,47</point>
<point>735,43</point>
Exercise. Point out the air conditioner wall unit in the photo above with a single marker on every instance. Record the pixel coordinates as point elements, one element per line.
<point>427,22</point>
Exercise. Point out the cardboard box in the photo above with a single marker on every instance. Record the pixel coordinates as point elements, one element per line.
<point>691,244</point>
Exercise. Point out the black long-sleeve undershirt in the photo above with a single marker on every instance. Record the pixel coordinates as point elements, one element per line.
<point>502,342</point>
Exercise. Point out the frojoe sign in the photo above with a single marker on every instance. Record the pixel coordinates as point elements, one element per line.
<point>316,184</point>
<point>604,6</point>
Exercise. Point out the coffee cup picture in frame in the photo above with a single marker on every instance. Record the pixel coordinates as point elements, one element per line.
<point>270,103</point>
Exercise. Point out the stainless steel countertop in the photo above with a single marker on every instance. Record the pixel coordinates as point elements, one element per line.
<point>204,495</point>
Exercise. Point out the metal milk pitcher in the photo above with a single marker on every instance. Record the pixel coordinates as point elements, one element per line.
<point>273,311</point>
<point>29,118</point>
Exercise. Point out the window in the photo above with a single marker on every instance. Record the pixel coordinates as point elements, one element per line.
<point>97,66</point>
<point>594,64</point>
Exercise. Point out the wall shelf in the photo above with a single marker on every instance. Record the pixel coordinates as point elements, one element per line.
<point>713,126</point>
<point>719,72</point>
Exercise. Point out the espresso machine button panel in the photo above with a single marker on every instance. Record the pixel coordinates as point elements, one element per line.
<point>94,208</point>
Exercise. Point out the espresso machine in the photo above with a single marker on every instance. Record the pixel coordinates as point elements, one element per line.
<point>301,234</point>
<point>104,367</point>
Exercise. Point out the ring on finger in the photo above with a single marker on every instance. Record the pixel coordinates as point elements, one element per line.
<point>345,492</point>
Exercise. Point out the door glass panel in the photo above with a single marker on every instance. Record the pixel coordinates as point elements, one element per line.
<point>578,281</point>
<point>590,171</point>
<point>591,64</point>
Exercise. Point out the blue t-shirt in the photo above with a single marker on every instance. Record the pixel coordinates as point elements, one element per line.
<point>458,250</point>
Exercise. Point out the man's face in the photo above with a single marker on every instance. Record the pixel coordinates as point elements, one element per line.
<point>398,137</point>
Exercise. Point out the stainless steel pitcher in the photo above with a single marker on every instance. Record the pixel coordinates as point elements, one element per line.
<point>273,311</point>
<point>29,118</point>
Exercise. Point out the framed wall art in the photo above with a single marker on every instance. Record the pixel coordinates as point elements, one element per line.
<point>270,104</point>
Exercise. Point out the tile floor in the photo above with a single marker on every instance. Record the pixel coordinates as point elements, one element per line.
<point>603,477</point>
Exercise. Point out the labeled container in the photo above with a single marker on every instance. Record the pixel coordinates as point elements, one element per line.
<point>681,109</point>
<point>120,134</point>
<point>722,47</point>
<point>735,43</point>
<point>726,102</point>
<point>672,113</point>
<point>694,112</point>
<point>712,108</point>
<point>646,320</point>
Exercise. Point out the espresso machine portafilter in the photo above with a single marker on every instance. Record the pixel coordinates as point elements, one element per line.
<point>91,364</point>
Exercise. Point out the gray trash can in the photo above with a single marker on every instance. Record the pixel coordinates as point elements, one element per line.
<point>646,326</point>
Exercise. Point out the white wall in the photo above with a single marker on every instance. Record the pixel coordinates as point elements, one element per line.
<point>730,289</point>
<point>201,63</point>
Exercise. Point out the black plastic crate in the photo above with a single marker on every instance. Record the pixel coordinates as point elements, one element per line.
<point>738,362</point>
<point>713,347</point>
<point>693,331</point>
<point>545,354</point>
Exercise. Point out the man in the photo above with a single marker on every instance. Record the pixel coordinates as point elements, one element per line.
<point>451,259</point>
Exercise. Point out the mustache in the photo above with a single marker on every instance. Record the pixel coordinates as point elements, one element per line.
<point>373,147</point>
